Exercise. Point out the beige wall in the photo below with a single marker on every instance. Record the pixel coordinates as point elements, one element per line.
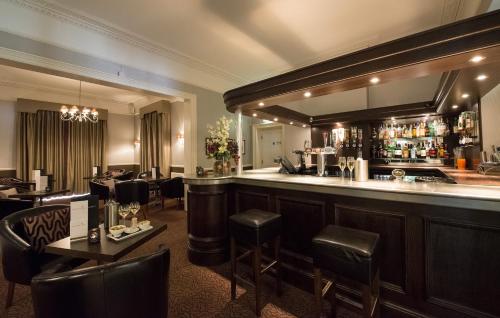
<point>294,140</point>
<point>177,127</point>
<point>8,140</point>
<point>120,139</point>
<point>490,114</point>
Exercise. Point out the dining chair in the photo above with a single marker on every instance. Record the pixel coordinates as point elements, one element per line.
<point>9,206</point>
<point>23,236</point>
<point>135,288</point>
<point>99,189</point>
<point>173,188</point>
<point>133,191</point>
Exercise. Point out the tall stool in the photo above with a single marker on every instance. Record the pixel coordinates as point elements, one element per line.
<point>352,254</point>
<point>253,228</point>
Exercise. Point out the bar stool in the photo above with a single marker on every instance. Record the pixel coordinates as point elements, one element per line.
<point>352,254</point>
<point>253,228</point>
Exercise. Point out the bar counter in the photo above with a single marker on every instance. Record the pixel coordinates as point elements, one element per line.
<point>439,241</point>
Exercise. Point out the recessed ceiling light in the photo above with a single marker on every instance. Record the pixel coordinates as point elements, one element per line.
<point>291,123</point>
<point>426,115</point>
<point>465,95</point>
<point>254,114</point>
<point>275,119</point>
<point>454,106</point>
<point>393,118</point>
<point>481,77</point>
<point>477,59</point>
<point>261,104</point>
<point>374,80</point>
<point>307,94</point>
<point>304,126</point>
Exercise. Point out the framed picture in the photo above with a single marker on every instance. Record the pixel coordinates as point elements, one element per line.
<point>244,146</point>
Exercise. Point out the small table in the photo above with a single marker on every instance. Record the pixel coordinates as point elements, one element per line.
<point>34,195</point>
<point>106,251</point>
<point>156,183</point>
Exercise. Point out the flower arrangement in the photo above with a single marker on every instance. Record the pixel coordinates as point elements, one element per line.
<point>219,145</point>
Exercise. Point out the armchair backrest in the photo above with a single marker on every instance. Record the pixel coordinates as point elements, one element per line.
<point>19,258</point>
<point>173,188</point>
<point>99,189</point>
<point>9,206</point>
<point>136,288</point>
<point>132,190</point>
<point>125,176</point>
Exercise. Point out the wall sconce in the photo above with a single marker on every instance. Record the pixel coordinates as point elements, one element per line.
<point>137,142</point>
<point>180,138</point>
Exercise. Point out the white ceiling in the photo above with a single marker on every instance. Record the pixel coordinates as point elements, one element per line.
<point>19,83</point>
<point>251,40</point>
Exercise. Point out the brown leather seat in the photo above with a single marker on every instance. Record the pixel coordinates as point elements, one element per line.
<point>254,226</point>
<point>136,288</point>
<point>348,252</point>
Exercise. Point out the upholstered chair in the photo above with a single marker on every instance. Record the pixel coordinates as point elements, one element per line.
<point>174,189</point>
<point>133,191</point>
<point>23,237</point>
<point>136,288</point>
<point>9,206</point>
<point>129,175</point>
<point>99,189</point>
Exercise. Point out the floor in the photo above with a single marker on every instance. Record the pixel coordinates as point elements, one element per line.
<point>194,291</point>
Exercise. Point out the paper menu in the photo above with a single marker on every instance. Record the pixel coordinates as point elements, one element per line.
<point>41,183</point>
<point>35,175</point>
<point>79,219</point>
<point>94,171</point>
<point>153,172</point>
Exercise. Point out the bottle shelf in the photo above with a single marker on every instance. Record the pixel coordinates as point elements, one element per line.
<point>406,138</point>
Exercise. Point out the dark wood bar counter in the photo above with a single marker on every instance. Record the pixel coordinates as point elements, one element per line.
<point>438,241</point>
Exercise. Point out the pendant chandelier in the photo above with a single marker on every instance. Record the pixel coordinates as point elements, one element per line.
<point>74,114</point>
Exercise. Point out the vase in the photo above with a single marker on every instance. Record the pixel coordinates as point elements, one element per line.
<point>222,167</point>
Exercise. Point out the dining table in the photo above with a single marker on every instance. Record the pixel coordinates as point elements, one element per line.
<point>105,251</point>
<point>38,195</point>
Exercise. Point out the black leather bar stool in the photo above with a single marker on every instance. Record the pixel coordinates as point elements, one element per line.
<point>352,254</point>
<point>253,228</point>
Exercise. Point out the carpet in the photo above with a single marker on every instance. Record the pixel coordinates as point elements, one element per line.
<point>195,291</point>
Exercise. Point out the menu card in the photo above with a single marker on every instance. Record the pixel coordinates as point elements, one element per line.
<point>79,220</point>
<point>41,183</point>
<point>35,175</point>
<point>153,172</point>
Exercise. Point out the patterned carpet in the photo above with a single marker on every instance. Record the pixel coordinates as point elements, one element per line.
<point>194,291</point>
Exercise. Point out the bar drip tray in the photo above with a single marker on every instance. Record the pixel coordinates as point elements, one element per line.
<point>433,179</point>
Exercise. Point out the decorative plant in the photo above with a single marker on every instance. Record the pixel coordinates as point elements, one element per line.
<point>219,145</point>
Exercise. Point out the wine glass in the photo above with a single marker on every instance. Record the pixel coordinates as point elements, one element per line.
<point>124,210</point>
<point>342,164</point>
<point>350,165</point>
<point>134,208</point>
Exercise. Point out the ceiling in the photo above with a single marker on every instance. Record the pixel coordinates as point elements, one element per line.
<point>252,40</point>
<point>20,83</point>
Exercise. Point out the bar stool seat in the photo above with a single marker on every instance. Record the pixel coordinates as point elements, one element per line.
<point>352,254</point>
<point>254,228</point>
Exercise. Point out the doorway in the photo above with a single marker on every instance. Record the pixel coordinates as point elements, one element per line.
<point>268,145</point>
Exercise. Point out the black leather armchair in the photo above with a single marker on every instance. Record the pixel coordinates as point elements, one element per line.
<point>129,175</point>
<point>19,259</point>
<point>136,288</point>
<point>9,206</point>
<point>145,174</point>
<point>133,190</point>
<point>99,189</point>
<point>173,188</point>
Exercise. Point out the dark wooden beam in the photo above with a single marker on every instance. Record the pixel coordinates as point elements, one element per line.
<point>380,113</point>
<point>288,114</point>
<point>440,49</point>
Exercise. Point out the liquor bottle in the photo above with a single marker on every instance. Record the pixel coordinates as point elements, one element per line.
<point>455,126</point>
<point>441,151</point>
<point>426,129</point>
<point>374,133</point>
<point>432,152</point>
<point>373,151</point>
<point>406,152</point>
<point>413,152</point>
<point>399,131</point>
<point>423,151</point>
<point>398,153</point>
<point>414,131</point>
<point>380,152</point>
<point>417,129</point>
<point>385,153</point>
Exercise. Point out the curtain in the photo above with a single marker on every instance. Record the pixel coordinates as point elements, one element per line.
<point>67,150</point>
<point>155,142</point>
<point>87,147</point>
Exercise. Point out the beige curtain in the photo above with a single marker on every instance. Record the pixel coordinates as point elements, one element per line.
<point>155,142</point>
<point>87,147</point>
<point>41,144</point>
<point>66,150</point>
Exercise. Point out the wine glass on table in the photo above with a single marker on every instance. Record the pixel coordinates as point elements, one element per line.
<point>342,165</point>
<point>123,211</point>
<point>134,208</point>
<point>350,165</point>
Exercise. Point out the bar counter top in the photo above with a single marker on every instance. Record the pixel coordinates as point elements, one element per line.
<point>453,195</point>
